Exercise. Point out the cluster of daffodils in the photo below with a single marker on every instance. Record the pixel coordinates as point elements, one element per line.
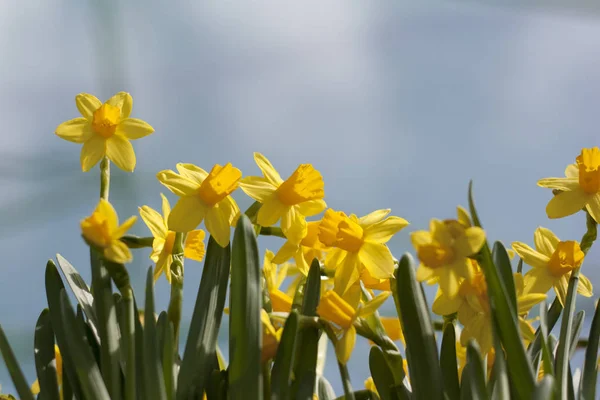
<point>355,261</point>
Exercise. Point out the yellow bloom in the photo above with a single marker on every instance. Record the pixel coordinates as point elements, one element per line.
<point>274,277</point>
<point>162,245</point>
<point>203,196</point>
<point>271,337</point>
<point>305,251</point>
<point>342,314</point>
<point>552,263</point>
<point>105,130</point>
<point>443,253</point>
<point>370,385</point>
<point>580,188</point>
<point>358,244</point>
<point>393,328</point>
<point>35,388</point>
<point>291,201</point>
<point>102,230</point>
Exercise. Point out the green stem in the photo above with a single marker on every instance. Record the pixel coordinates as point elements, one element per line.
<point>176,300</point>
<point>271,231</point>
<point>128,334</point>
<point>348,393</point>
<point>104,178</point>
<point>136,242</point>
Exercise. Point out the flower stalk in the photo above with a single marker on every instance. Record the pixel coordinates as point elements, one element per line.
<point>176,300</point>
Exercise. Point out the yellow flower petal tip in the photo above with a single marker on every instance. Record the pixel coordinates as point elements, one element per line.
<point>105,130</point>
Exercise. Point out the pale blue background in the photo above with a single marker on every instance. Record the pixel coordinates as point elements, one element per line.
<point>397,106</point>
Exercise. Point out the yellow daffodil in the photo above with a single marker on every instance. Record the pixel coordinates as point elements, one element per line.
<point>357,244</point>
<point>552,263</point>
<point>274,277</point>
<point>102,230</point>
<point>162,245</point>
<point>35,388</point>
<point>580,188</point>
<point>339,311</point>
<point>105,130</point>
<point>393,328</point>
<point>443,253</point>
<point>271,337</point>
<point>305,251</point>
<point>291,201</point>
<point>370,385</point>
<point>203,196</point>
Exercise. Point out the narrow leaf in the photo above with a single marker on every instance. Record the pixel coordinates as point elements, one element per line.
<point>381,374</point>
<point>153,377</point>
<point>448,363</point>
<point>45,363</point>
<point>284,359</point>
<point>168,360</point>
<point>325,391</point>
<point>577,326</point>
<point>502,262</point>
<point>16,374</point>
<point>477,371</point>
<point>590,367</point>
<point>545,389</point>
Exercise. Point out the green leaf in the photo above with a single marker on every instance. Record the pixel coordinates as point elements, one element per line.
<point>545,389</point>
<point>140,370</point>
<point>153,377</point>
<point>281,374</point>
<point>500,389</point>
<point>87,370</point>
<point>45,363</point>
<point>324,389</point>
<point>546,352</point>
<point>426,376</point>
<point>590,364</point>
<point>466,389</point>
<point>308,338</point>
<point>502,262</point>
<point>381,374</point>
<point>449,364</point>
<point>576,331</point>
<point>14,369</point>
<point>396,363</point>
<point>54,286</point>
<point>552,317</point>
<point>360,395</point>
<point>477,371</point>
<point>201,344</point>
<point>519,366</point>
<point>168,360</point>
<point>127,321</point>
<point>245,326</point>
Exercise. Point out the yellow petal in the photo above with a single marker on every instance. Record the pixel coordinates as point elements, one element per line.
<point>107,210</point>
<point>561,286</point>
<point>120,151</point>
<point>449,282</point>
<point>382,232</point>
<point>87,104</point>
<point>419,238</point>
<point>527,331</point>
<point>334,258</point>
<point>585,286</point>
<point>424,273</point>
<point>293,225</point>
<point>443,305</point>
<point>178,184</point>
<point>229,208</point>
<point>530,256</point>
<point>301,263</point>
<point>572,171</point>
<point>566,184</point>
<point>133,128</point>
<point>471,242</point>
<point>154,221</point>
<point>372,305</point>
<point>538,280</point>
<point>344,346</point>
<point>271,211</point>
<point>280,301</point>
<point>35,388</point>
<point>258,188</point>
<point>187,214</point>
<point>124,101</point>
<point>118,252</point>
<point>163,264</point>
<point>287,251</point>
<point>393,328</point>
<point>377,259</point>
<point>218,226</point>
<point>527,301</point>
<point>194,245</point>
<point>593,207</point>
<point>267,169</point>
<point>463,216</point>
<point>192,172</point>
<point>545,241</point>
<point>121,230</point>
<point>311,207</point>
<point>347,273</point>
<point>77,130</point>
<point>567,203</point>
<point>166,207</point>
<point>92,151</point>
<point>374,217</point>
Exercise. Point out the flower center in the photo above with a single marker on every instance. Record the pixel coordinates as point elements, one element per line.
<point>95,229</point>
<point>350,236</point>
<point>589,170</point>
<point>434,255</point>
<point>566,257</point>
<point>220,183</point>
<point>105,120</point>
<point>329,226</point>
<point>306,183</point>
<point>335,309</point>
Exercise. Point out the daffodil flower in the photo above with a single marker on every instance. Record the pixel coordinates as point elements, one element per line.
<point>552,263</point>
<point>291,201</point>
<point>443,253</point>
<point>274,277</point>
<point>271,337</point>
<point>305,251</point>
<point>580,188</point>
<point>105,130</point>
<point>35,387</point>
<point>357,244</point>
<point>164,238</point>
<point>102,230</point>
<point>337,310</point>
<point>203,196</point>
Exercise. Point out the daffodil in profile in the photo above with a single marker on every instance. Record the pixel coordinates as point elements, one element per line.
<point>552,262</point>
<point>339,310</point>
<point>102,231</point>
<point>291,201</point>
<point>274,277</point>
<point>444,252</point>
<point>203,196</point>
<point>105,130</point>
<point>580,188</point>
<point>358,244</point>
<point>304,252</point>
<point>164,238</point>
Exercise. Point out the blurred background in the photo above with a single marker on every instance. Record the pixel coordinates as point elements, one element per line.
<point>397,106</point>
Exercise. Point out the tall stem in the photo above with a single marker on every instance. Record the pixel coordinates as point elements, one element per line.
<point>176,300</point>
<point>104,178</point>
